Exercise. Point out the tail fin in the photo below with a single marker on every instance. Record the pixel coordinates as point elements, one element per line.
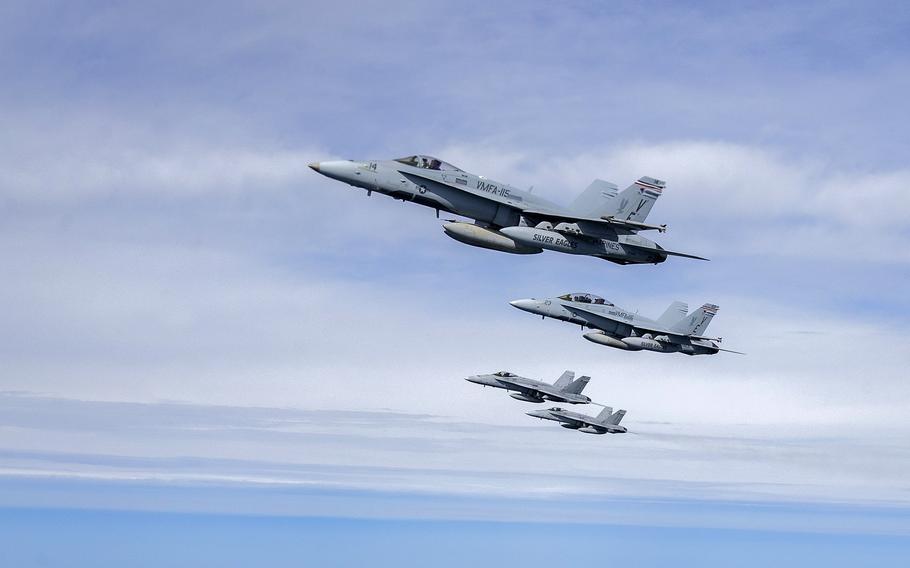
<point>697,322</point>
<point>675,312</point>
<point>563,381</point>
<point>616,418</point>
<point>604,414</point>
<point>598,199</point>
<point>634,203</point>
<point>576,386</point>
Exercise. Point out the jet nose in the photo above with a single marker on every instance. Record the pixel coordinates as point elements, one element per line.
<point>342,170</point>
<point>528,305</point>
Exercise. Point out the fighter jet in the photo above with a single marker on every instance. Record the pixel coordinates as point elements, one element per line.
<point>602,222</point>
<point>565,389</point>
<point>676,331</point>
<point>603,423</point>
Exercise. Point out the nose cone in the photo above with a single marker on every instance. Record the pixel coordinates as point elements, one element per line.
<point>474,379</point>
<point>538,413</point>
<point>342,170</point>
<point>529,305</point>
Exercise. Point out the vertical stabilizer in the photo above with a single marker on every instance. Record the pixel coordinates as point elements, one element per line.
<point>616,418</point>
<point>635,202</point>
<point>601,199</point>
<point>697,322</point>
<point>599,196</point>
<point>673,314</point>
<point>605,413</point>
<point>563,381</point>
<point>578,385</point>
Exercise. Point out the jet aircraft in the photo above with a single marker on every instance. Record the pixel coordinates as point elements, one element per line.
<point>602,222</point>
<point>605,422</point>
<point>676,331</point>
<point>565,389</point>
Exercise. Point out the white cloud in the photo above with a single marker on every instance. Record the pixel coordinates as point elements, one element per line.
<point>429,455</point>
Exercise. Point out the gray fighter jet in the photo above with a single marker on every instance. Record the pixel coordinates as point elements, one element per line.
<point>676,331</point>
<point>605,422</point>
<point>602,222</point>
<point>565,389</point>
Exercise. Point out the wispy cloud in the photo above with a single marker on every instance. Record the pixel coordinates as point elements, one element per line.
<point>426,454</point>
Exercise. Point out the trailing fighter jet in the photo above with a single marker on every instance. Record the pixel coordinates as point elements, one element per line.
<point>603,423</point>
<point>602,222</point>
<point>676,331</point>
<point>565,389</point>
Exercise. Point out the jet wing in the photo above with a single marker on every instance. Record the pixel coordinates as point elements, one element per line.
<point>587,421</point>
<point>664,251</point>
<point>613,221</point>
<point>605,321</point>
<point>544,389</point>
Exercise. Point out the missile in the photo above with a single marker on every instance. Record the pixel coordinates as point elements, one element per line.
<point>478,236</point>
<point>602,338</point>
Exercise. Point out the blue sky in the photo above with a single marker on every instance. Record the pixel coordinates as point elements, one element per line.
<point>191,313</point>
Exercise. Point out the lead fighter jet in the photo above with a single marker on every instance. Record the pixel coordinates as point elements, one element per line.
<point>676,331</point>
<point>602,222</point>
<point>605,422</point>
<point>565,389</point>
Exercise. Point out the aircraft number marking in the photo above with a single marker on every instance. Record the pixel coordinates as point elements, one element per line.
<point>492,188</point>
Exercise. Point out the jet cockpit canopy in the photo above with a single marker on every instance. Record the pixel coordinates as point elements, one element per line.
<point>585,298</point>
<point>429,163</point>
<point>504,374</point>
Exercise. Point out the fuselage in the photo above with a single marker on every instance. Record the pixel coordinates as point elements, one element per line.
<point>528,390</point>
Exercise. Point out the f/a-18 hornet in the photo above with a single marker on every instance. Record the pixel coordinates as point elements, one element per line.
<point>565,389</point>
<point>602,222</point>
<point>605,422</point>
<point>676,331</point>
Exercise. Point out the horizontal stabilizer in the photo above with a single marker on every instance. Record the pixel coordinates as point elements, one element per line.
<point>662,250</point>
<point>730,351</point>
